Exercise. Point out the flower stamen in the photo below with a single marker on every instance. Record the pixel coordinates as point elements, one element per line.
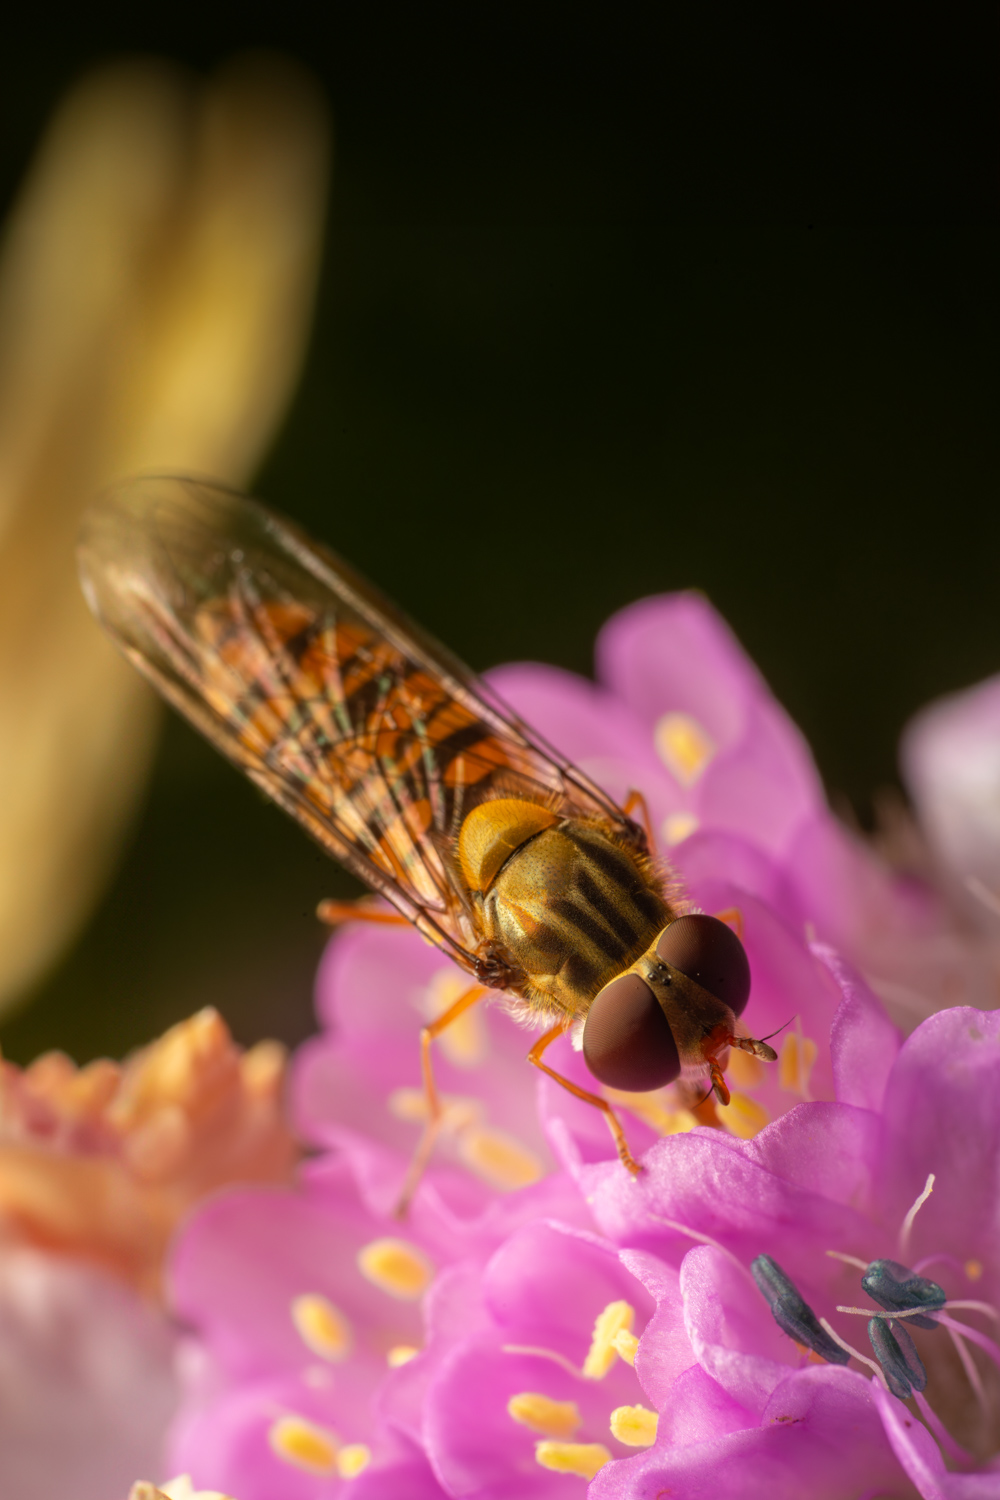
<point>969,1366</point>
<point>321,1326</point>
<point>853,1353</point>
<point>849,1260</point>
<point>616,1318</point>
<point>553,1419</point>
<point>396,1267</point>
<point>907,1225</point>
<point>583,1459</point>
<point>791,1312</point>
<point>634,1426</point>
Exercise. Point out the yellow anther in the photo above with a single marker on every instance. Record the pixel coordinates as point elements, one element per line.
<point>304,1445</point>
<point>607,1325</point>
<point>554,1419</point>
<point>458,1112</point>
<point>626,1344</point>
<point>500,1159</point>
<point>743,1116</point>
<point>657,1109</point>
<point>321,1326</point>
<point>352,1459</point>
<point>572,1458</point>
<point>678,826</point>
<point>465,1043</point>
<point>401,1354</point>
<point>973,1269</point>
<point>396,1267</point>
<point>634,1426</point>
<point>684,747</point>
<point>744,1070</point>
<point>795,1063</point>
<point>180,1488</point>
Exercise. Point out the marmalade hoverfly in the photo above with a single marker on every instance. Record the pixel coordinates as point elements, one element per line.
<point>408,769</point>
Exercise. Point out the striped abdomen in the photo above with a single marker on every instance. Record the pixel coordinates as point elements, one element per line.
<point>573,909</point>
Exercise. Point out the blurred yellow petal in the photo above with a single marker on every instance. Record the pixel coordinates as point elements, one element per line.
<point>156,286</point>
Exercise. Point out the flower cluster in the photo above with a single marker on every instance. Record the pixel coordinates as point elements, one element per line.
<point>541,1319</point>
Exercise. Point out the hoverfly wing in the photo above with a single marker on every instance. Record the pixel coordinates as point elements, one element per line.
<point>373,736</point>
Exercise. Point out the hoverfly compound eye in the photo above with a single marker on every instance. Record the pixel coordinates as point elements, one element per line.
<point>627,1041</point>
<point>711,954</point>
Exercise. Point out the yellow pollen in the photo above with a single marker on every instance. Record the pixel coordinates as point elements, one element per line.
<point>607,1325</point>
<point>973,1269</point>
<point>743,1116</point>
<point>503,1161</point>
<point>572,1458</point>
<point>458,1112</point>
<point>352,1459</point>
<point>657,1109</point>
<point>745,1070</point>
<point>795,1063</point>
<point>626,1344</point>
<point>401,1354</point>
<point>465,1042</point>
<point>634,1426</point>
<point>683,746</point>
<point>677,827</point>
<point>322,1328</point>
<point>396,1267</point>
<point>304,1444</point>
<point>554,1419</point>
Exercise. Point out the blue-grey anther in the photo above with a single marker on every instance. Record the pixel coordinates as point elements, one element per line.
<point>792,1315</point>
<point>894,1349</point>
<point>897,1288</point>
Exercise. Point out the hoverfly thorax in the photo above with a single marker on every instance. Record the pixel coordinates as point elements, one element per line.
<point>569,904</point>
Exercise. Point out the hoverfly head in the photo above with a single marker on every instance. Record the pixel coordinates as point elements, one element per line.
<point>627,1039</point>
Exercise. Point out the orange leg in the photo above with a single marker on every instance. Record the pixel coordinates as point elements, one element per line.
<point>434,1111</point>
<point>335,912</point>
<point>635,800</point>
<point>719,1088</point>
<point>535,1056</point>
<point>733,917</point>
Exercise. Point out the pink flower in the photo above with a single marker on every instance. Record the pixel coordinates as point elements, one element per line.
<point>542,1318</point>
<point>303,1301</point>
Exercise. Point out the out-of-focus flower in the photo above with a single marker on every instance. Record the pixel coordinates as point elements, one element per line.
<point>102,1162</point>
<point>156,283</point>
<point>174,1489</point>
<point>87,1381</point>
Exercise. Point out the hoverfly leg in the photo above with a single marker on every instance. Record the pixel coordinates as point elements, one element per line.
<point>335,912</point>
<point>422,1154</point>
<point>535,1057</point>
<point>719,1087</point>
<point>733,917</point>
<point>634,800</point>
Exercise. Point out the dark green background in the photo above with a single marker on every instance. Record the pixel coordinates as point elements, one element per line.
<point>606,309</point>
